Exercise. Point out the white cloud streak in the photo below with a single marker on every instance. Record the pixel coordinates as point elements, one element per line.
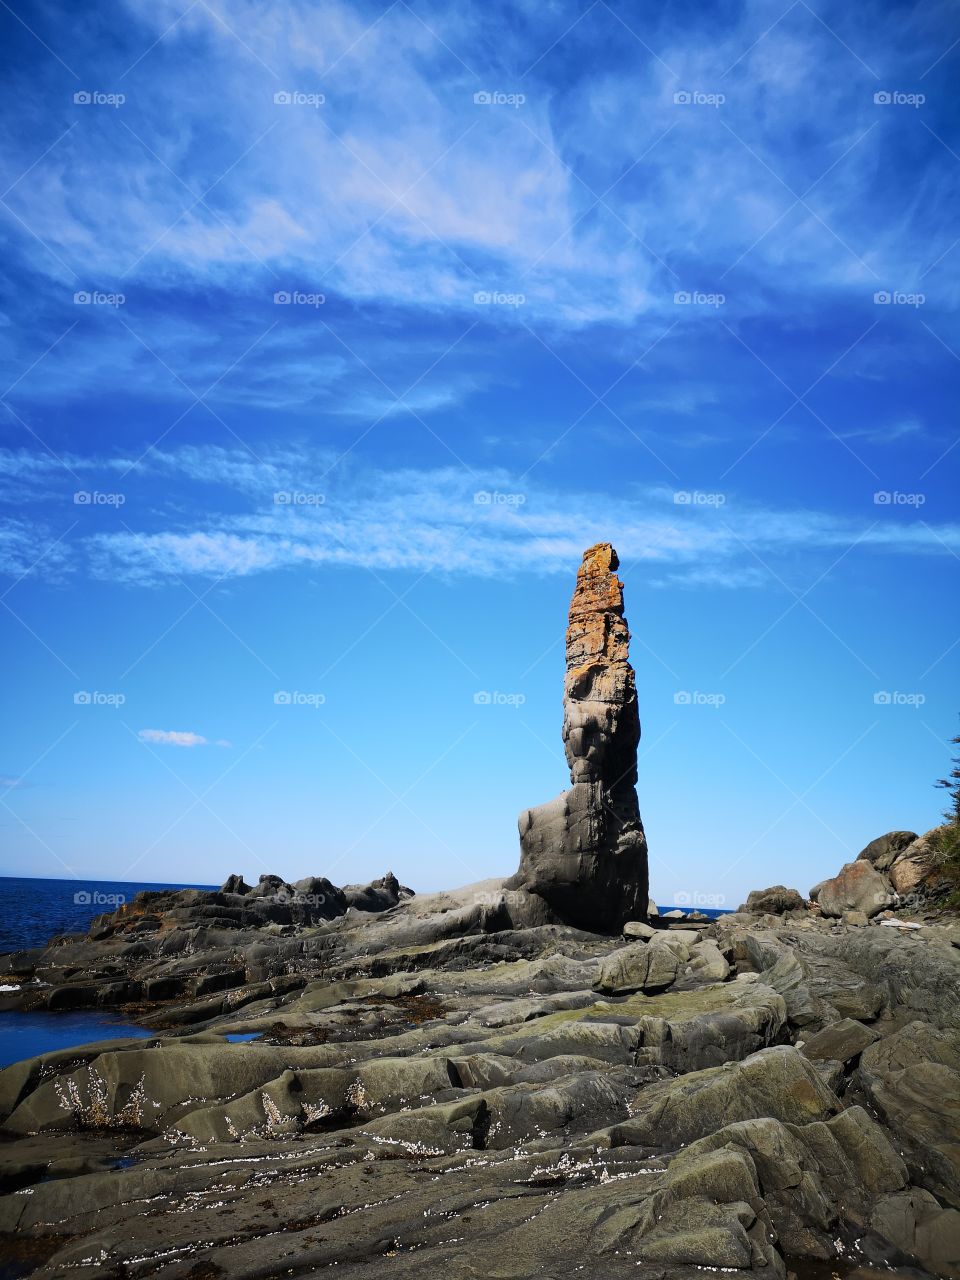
<point>172,738</point>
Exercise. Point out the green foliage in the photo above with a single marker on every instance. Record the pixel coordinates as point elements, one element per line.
<point>948,839</point>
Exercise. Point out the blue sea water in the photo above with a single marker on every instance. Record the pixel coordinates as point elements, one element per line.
<point>34,911</point>
<point>24,1035</point>
<point>31,913</point>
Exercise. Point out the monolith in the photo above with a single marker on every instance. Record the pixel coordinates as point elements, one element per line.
<point>585,853</point>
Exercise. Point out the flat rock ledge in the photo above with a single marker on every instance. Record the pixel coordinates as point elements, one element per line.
<point>459,1085</point>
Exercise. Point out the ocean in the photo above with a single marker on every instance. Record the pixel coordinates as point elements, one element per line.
<point>31,913</point>
<point>34,911</point>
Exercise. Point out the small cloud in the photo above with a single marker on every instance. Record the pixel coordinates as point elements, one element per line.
<point>905,429</point>
<point>172,738</point>
<point>8,784</point>
<point>222,742</point>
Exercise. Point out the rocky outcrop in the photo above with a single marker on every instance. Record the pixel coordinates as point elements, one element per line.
<point>458,1085</point>
<point>918,868</point>
<point>882,852</point>
<point>585,853</point>
<point>773,901</point>
<point>912,1078</point>
<point>640,967</point>
<point>856,887</point>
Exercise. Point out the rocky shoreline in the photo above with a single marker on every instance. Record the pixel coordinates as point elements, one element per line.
<point>492,1083</point>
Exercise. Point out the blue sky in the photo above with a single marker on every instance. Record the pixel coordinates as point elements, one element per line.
<point>333,333</point>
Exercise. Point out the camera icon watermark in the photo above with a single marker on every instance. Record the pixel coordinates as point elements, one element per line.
<point>494,498</point>
<point>298,298</point>
<point>94,698</point>
<point>97,898</point>
<point>493,298</point>
<point>95,298</point>
<point>96,98</point>
<point>295,698</point>
<point>486,98</point>
<point>712,901</point>
<point>894,98</point>
<point>696,498</point>
<point>897,298</point>
<point>697,298</point>
<point>894,498</point>
<point>299,899</point>
<point>887,698</point>
<point>494,698</point>
<point>94,498</point>
<point>298,498</point>
<point>695,698</point>
<point>297,98</point>
<point>697,98</point>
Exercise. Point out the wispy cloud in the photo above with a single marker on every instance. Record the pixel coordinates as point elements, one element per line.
<point>406,190</point>
<point>293,509</point>
<point>172,738</point>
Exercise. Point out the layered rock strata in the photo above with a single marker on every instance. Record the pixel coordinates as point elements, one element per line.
<point>585,852</point>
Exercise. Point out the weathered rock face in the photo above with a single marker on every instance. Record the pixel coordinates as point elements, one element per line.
<point>856,887</point>
<point>773,901</point>
<point>884,851</point>
<point>585,853</point>
<point>918,867</point>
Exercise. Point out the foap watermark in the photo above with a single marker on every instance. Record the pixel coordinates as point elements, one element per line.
<point>897,298</point>
<point>97,98</point>
<point>94,498</point>
<point>494,498</point>
<point>696,498</point>
<point>94,698</point>
<point>298,498</point>
<point>298,98</point>
<point>494,898</point>
<point>295,698</point>
<point>712,901</point>
<point>297,897</point>
<point>695,698</point>
<point>495,98</point>
<point>696,298</point>
<point>895,98</point>
<point>491,298</point>
<point>894,498</point>
<point>95,298</point>
<point>697,98</point>
<point>494,698</point>
<point>894,698</point>
<point>298,298</point>
<point>97,898</point>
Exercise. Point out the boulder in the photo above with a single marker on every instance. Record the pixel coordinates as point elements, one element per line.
<point>809,1176</point>
<point>778,1082</point>
<point>639,967</point>
<point>378,895</point>
<point>235,884</point>
<point>708,962</point>
<point>915,1222</point>
<point>917,868</point>
<point>585,853</point>
<point>856,887</point>
<point>912,1078</point>
<point>773,901</point>
<point>643,932</point>
<point>882,852</point>
<point>840,1042</point>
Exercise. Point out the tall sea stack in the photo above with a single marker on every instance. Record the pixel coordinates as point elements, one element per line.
<point>585,852</point>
